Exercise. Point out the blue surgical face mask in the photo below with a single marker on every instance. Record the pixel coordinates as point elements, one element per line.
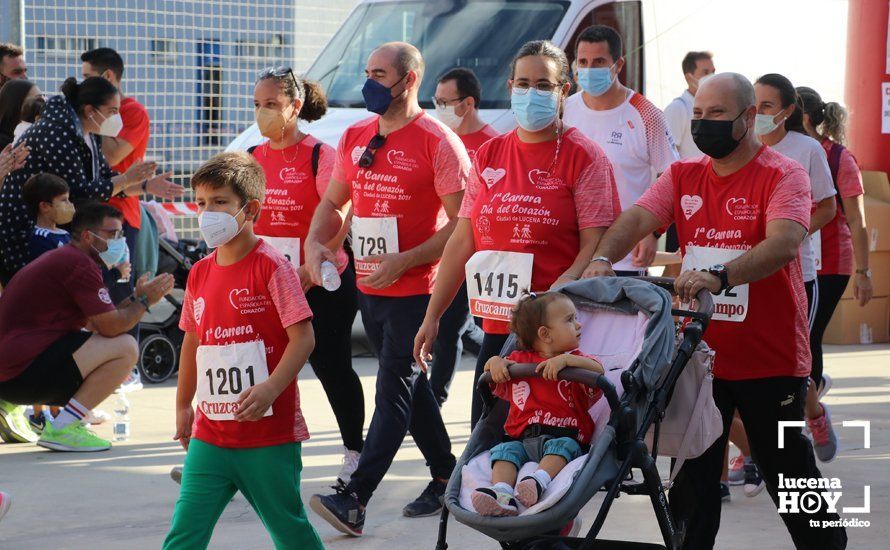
<point>377,96</point>
<point>595,80</point>
<point>534,111</point>
<point>115,253</point>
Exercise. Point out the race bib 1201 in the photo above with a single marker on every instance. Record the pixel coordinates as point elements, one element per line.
<point>289,246</point>
<point>373,236</point>
<point>495,282</point>
<point>225,372</point>
<point>731,304</point>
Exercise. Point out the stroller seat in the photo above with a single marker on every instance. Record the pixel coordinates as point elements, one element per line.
<point>627,324</point>
<point>615,339</point>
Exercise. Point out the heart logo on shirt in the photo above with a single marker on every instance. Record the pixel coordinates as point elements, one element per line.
<point>357,154</point>
<point>731,205</point>
<point>542,179</point>
<point>690,205</point>
<point>233,295</point>
<point>394,156</point>
<point>492,176</point>
<point>198,308</point>
<point>564,385</point>
<point>521,393</point>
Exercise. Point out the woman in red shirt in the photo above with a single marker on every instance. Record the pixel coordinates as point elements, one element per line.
<point>297,168</point>
<point>531,220</point>
<point>844,238</point>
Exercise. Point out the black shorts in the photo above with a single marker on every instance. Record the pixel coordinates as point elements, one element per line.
<point>51,379</point>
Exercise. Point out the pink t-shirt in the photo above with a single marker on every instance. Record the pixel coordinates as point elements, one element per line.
<point>416,165</point>
<point>837,242</point>
<point>521,207</point>
<point>256,298</point>
<point>731,212</point>
<point>475,140</point>
<point>292,192</point>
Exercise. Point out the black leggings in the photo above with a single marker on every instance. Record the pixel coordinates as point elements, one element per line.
<point>831,288</point>
<point>333,315</point>
<point>491,346</point>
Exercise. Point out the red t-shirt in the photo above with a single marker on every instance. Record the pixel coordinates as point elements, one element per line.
<point>292,191</point>
<point>49,298</point>
<point>522,208</point>
<point>136,133</point>
<point>415,166</point>
<point>534,400</point>
<point>256,298</point>
<point>475,140</point>
<point>837,242</point>
<point>731,212</point>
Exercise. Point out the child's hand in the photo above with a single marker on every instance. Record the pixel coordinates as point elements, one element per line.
<point>255,401</point>
<point>550,368</point>
<point>498,367</point>
<point>185,417</point>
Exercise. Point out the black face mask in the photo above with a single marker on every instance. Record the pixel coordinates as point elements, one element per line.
<point>714,137</point>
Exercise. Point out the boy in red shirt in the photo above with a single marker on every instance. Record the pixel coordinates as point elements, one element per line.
<point>247,335</point>
<point>549,333</point>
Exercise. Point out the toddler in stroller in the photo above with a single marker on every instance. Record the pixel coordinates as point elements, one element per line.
<point>548,421</point>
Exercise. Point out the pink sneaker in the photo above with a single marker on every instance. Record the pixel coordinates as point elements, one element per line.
<point>824,438</point>
<point>528,491</point>
<point>737,470</point>
<point>489,502</point>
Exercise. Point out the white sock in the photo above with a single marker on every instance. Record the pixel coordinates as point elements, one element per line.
<point>73,412</point>
<point>501,487</point>
<point>543,478</point>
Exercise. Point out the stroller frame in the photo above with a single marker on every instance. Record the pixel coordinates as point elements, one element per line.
<point>630,445</point>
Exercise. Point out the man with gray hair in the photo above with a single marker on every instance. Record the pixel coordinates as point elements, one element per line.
<point>741,212</point>
<point>405,173</point>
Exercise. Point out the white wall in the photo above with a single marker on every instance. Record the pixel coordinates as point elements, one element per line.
<point>805,40</point>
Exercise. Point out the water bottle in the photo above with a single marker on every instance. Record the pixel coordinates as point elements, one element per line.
<point>330,279</point>
<point>121,426</point>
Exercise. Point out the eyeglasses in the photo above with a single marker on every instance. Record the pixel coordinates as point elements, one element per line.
<point>444,102</point>
<point>367,158</point>
<point>280,72</point>
<point>540,88</point>
<point>115,233</point>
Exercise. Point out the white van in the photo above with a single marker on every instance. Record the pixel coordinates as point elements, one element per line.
<point>482,35</point>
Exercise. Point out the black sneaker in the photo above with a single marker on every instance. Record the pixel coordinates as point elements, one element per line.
<point>725,495</point>
<point>754,483</point>
<point>342,510</point>
<point>429,503</point>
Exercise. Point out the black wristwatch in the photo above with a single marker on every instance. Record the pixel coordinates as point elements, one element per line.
<point>719,270</point>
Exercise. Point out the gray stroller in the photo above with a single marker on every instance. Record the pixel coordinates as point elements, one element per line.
<point>610,310</point>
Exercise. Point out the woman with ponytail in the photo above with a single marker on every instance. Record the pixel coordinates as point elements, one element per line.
<point>298,168</point>
<point>844,238</point>
<point>544,196</point>
<point>66,142</point>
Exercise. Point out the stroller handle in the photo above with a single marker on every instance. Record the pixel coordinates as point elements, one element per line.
<point>571,374</point>
<point>705,308</point>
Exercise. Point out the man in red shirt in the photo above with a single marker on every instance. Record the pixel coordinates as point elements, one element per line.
<point>741,213</point>
<point>457,100</point>
<point>47,356</point>
<point>405,173</point>
<point>121,152</point>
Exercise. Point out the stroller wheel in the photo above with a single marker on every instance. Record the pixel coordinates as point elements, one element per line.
<point>157,358</point>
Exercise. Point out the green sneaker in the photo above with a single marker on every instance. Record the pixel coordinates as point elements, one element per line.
<point>74,437</point>
<point>14,427</point>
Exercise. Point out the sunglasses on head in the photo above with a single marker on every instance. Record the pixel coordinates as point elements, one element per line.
<point>367,158</point>
<point>281,72</point>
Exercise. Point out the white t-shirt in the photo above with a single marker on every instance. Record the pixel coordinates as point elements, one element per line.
<point>678,115</point>
<point>811,155</point>
<point>635,138</point>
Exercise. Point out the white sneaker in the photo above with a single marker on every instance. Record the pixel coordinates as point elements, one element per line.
<point>96,417</point>
<point>826,385</point>
<point>132,383</point>
<point>350,463</point>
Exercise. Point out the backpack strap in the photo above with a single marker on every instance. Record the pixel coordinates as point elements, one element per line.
<point>316,154</point>
<point>834,164</point>
<point>251,149</point>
